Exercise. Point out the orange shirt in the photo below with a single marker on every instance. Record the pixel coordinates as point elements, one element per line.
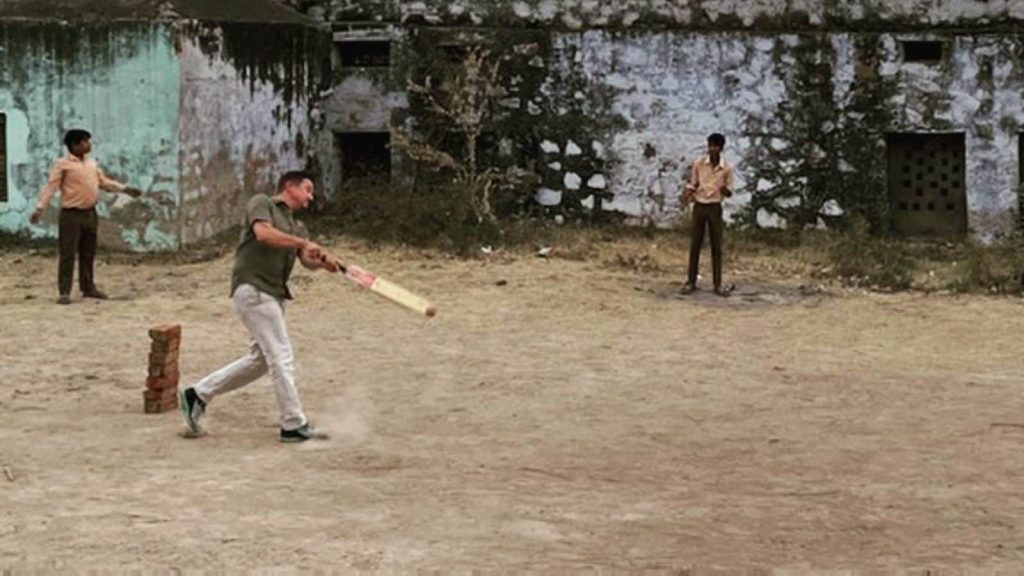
<point>707,180</point>
<point>79,182</point>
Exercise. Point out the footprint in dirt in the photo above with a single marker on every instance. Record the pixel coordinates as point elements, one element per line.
<point>743,295</point>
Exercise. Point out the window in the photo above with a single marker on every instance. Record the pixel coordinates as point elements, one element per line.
<point>3,157</point>
<point>927,192</point>
<point>923,51</point>
<point>365,53</point>
<point>364,154</point>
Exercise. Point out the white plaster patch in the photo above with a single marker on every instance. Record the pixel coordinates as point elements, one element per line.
<point>597,182</point>
<point>547,10</point>
<point>549,147</point>
<point>556,166</point>
<point>766,219</point>
<point>522,10</point>
<point>788,202</point>
<point>572,181</point>
<point>572,149</point>
<point>549,197</point>
<point>832,208</point>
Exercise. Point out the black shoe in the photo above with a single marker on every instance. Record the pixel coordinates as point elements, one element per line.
<point>64,299</point>
<point>688,288</point>
<point>95,293</point>
<point>302,433</point>
<point>192,406</point>
<point>724,292</point>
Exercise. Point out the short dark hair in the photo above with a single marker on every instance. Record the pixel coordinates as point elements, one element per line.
<point>293,177</point>
<point>72,137</point>
<point>717,139</point>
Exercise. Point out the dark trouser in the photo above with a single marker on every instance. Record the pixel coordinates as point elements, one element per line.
<point>710,216</point>
<point>77,236</point>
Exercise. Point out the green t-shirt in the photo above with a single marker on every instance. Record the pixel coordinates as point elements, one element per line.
<point>266,268</point>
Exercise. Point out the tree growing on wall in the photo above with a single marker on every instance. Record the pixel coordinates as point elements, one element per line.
<point>811,165</point>
<point>458,105</point>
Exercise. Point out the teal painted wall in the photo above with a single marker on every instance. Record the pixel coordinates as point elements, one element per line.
<point>120,81</point>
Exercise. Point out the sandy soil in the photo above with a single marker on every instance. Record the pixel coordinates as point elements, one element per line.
<point>577,416</point>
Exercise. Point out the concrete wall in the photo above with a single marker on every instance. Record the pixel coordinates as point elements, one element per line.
<point>631,89</point>
<point>704,14</point>
<point>119,81</point>
<point>806,115</point>
<point>245,116</point>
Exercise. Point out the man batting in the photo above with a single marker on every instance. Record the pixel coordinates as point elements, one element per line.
<point>264,258</point>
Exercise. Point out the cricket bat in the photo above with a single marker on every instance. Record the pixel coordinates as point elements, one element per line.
<point>387,289</point>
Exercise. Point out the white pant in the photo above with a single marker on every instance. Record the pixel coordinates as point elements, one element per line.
<point>269,350</point>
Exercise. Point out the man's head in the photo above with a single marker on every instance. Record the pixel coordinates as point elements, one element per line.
<point>296,189</point>
<point>78,142</point>
<point>716,142</point>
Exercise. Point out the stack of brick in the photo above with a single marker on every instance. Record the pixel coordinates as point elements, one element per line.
<point>161,392</point>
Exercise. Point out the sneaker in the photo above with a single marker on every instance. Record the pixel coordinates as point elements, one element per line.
<point>724,292</point>
<point>302,433</point>
<point>64,299</point>
<point>688,288</point>
<point>192,406</point>
<point>95,293</point>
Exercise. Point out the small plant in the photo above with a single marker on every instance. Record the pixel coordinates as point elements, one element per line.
<point>863,260</point>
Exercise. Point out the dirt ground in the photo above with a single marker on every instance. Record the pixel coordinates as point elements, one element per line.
<point>558,415</point>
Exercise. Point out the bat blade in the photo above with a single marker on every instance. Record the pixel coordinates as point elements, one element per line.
<point>391,291</point>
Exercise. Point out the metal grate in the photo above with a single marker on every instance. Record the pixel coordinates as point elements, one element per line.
<point>3,157</point>
<point>927,193</point>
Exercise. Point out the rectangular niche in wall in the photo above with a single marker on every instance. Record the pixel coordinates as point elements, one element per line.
<point>364,53</point>
<point>365,155</point>
<point>922,51</point>
<point>927,190</point>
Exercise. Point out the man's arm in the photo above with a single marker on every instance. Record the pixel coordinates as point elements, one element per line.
<point>727,183</point>
<point>268,235</point>
<point>111,185</point>
<point>49,189</point>
<point>691,186</point>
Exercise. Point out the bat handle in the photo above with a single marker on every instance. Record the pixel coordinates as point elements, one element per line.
<point>341,267</point>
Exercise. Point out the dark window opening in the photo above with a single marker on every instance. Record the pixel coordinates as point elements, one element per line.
<point>924,205</point>
<point>1020,160</point>
<point>3,157</point>
<point>928,52</point>
<point>364,155</point>
<point>365,53</point>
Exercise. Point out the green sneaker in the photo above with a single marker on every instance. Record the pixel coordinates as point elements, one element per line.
<point>302,433</point>
<point>192,406</point>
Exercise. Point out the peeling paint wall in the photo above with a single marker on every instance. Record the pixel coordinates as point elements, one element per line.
<point>705,14</point>
<point>245,117</point>
<point>120,82</point>
<point>805,91</point>
<point>672,89</point>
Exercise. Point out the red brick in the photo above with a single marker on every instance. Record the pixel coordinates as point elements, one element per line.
<point>159,394</point>
<point>163,356</point>
<point>165,333</point>
<point>158,406</point>
<point>163,369</point>
<point>164,347</point>
<point>162,382</point>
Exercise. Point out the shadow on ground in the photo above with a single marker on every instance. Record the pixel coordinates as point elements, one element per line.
<point>747,294</point>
